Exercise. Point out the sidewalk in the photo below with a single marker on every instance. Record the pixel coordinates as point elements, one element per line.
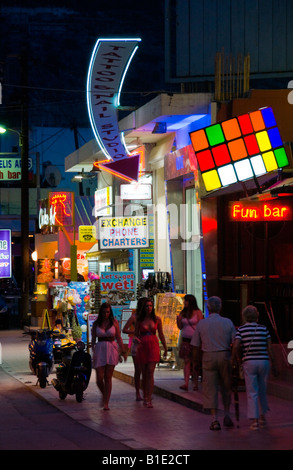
<point>177,421</point>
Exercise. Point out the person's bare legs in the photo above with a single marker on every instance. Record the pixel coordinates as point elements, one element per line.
<point>100,380</point>
<point>186,374</point>
<point>149,382</point>
<point>137,374</point>
<point>109,369</point>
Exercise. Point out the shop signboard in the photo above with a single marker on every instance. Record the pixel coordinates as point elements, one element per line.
<point>123,232</point>
<point>86,233</point>
<point>239,149</point>
<point>61,204</point>
<point>118,288</point>
<point>5,253</point>
<point>107,70</point>
<point>135,191</point>
<point>103,201</point>
<point>260,211</point>
<point>10,168</point>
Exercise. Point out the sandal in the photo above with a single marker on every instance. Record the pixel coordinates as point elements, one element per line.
<point>184,387</point>
<point>215,426</point>
<point>254,426</point>
<point>262,422</point>
<point>149,404</point>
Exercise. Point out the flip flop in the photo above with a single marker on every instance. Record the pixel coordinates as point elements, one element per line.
<point>215,426</point>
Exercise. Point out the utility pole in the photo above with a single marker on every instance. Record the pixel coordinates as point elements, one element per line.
<point>25,245</point>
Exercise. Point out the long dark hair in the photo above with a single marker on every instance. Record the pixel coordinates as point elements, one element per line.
<point>140,306</point>
<point>192,305</point>
<point>102,316</point>
<point>141,311</point>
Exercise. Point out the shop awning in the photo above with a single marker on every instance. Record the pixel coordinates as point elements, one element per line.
<point>278,189</point>
<point>84,207</point>
<point>94,252</point>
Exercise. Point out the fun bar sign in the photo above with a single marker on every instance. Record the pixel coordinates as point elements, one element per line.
<point>260,211</point>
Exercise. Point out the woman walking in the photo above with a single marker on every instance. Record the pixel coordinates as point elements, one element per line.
<point>148,351</point>
<point>253,341</point>
<point>105,352</point>
<point>186,322</point>
<point>132,345</point>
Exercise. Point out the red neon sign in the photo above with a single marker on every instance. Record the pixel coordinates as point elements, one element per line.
<point>63,208</point>
<point>260,211</point>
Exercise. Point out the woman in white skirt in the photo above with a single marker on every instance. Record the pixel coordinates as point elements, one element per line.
<point>106,338</point>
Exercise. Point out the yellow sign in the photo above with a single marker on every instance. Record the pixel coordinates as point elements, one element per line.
<point>168,306</point>
<point>87,233</point>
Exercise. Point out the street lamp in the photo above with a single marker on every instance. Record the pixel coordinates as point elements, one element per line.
<point>4,129</point>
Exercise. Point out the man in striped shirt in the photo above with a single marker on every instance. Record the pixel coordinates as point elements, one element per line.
<point>253,342</point>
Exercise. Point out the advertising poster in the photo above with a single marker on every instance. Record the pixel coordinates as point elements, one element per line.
<point>168,306</point>
<point>118,288</point>
<point>5,253</point>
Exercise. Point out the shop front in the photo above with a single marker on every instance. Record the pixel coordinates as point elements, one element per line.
<point>255,235</point>
<point>184,219</point>
<point>61,268</point>
<point>246,196</point>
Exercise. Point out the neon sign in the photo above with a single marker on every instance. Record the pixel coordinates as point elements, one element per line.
<point>5,253</point>
<point>239,149</point>
<point>108,66</point>
<point>260,211</point>
<point>61,206</point>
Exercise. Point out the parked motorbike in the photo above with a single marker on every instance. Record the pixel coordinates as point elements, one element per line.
<point>73,374</point>
<point>41,359</point>
<point>60,343</point>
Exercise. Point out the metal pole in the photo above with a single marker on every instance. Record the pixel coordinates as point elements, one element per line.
<point>24,196</point>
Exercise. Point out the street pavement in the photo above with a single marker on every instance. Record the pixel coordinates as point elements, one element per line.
<point>176,423</point>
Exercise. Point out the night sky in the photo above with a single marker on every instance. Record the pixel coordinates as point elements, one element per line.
<point>56,39</point>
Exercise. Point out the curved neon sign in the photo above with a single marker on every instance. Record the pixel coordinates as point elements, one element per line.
<point>107,70</point>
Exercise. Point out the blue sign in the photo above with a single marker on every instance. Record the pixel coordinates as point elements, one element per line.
<point>5,253</point>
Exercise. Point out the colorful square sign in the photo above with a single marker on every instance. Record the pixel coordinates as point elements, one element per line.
<point>238,149</point>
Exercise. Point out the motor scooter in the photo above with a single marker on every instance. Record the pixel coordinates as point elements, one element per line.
<point>60,343</point>
<point>41,358</point>
<point>73,374</point>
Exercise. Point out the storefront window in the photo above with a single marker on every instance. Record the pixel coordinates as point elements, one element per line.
<point>193,280</point>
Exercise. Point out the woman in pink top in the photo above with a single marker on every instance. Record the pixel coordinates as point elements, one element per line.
<point>186,322</point>
<point>106,350</point>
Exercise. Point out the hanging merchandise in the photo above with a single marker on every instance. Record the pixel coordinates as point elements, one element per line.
<point>78,292</point>
<point>76,328</point>
<point>156,283</point>
<point>94,300</point>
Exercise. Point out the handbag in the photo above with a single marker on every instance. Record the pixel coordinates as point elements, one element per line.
<point>134,346</point>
